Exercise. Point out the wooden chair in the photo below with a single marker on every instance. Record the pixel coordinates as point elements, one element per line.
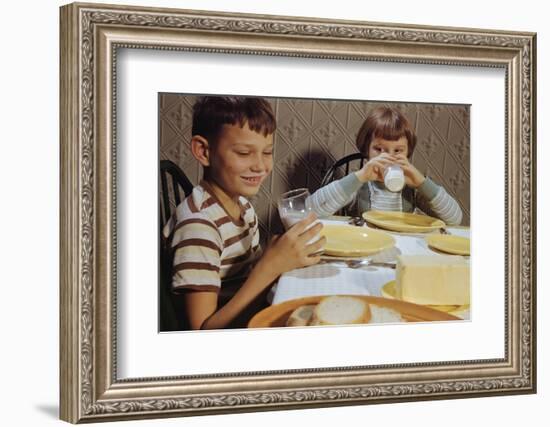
<point>174,186</point>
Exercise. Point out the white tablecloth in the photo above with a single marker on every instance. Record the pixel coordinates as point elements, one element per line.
<point>337,278</point>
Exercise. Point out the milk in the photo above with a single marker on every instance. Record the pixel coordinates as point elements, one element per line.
<point>293,207</point>
<point>290,218</point>
<point>394,179</point>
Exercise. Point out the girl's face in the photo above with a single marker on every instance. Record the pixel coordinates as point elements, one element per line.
<point>393,148</point>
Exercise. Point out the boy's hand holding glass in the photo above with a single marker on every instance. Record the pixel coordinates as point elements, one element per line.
<point>294,206</point>
<point>294,248</point>
<point>413,177</point>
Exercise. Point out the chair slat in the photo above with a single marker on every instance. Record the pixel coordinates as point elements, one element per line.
<point>165,197</point>
<point>176,189</point>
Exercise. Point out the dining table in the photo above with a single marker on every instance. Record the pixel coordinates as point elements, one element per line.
<point>368,275</point>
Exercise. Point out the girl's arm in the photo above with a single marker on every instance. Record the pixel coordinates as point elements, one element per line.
<point>437,202</point>
<point>334,196</point>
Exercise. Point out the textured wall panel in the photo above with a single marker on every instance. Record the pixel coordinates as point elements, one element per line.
<point>312,134</point>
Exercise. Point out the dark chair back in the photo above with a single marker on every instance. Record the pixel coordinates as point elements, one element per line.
<point>343,165</point>
<point>173,183</point>
<point>341,168</point>
<point>175,187</point>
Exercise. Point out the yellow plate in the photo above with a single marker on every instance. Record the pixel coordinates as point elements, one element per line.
<point>403,221</point>
<point>449,244</point>
<point>352,241</point>
<point>388,291</point>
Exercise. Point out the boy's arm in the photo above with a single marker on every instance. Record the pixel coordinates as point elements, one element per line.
<point>199,305</point>
<point>202,306</point>
<point>286,253</point>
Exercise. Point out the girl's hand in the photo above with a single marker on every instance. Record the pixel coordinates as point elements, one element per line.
<point>374,169</point>
<point>291,250</point>
<point>413,177</point>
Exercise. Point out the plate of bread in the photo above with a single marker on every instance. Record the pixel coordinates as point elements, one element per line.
<point>344,310</point>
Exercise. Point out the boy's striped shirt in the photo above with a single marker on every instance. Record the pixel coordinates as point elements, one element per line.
<point>208,246</point>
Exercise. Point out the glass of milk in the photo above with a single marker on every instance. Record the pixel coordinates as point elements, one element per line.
<point>294,206</point>
<point>394,178</point>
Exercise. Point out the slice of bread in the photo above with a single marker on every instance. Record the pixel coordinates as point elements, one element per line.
<point>340,310</point>
<point>301,316</point>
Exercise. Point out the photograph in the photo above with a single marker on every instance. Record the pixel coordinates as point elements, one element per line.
<point>291,212</point>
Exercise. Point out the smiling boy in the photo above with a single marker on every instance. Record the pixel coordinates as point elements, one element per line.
<point>214,233</point>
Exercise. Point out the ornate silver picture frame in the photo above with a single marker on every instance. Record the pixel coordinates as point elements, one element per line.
<point>91,38</point>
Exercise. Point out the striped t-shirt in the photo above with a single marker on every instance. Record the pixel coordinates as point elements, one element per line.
<point>208,245</point>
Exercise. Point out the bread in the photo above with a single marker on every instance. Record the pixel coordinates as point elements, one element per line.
<point>384,315</point>
<point>340,310</point>
<point>301,316</point>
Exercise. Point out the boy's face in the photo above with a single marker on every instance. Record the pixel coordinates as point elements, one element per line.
<point>240,160</point>
<point>379,146</point>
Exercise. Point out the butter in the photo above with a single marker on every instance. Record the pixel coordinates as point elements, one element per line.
<point>433,280</point>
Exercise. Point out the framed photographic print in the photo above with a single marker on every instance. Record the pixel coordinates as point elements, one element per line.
<point>316,143</point>
<point>133,82</point>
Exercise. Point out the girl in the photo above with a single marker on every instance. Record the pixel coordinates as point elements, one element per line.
<point>386,138</point>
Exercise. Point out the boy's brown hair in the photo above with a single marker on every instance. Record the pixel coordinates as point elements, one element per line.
<point>211,113</point>
<point>386,123</point>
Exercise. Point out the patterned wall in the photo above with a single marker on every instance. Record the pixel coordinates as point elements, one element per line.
<point>312,134</point>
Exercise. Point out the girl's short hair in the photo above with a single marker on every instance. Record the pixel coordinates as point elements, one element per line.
<point>386,123</point>
<point>211,113</point>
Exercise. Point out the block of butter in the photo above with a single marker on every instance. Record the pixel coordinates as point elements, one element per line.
<point>433,280</point>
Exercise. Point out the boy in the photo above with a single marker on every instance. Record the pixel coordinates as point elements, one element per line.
<point>214,232</point>
<point>385,138</point>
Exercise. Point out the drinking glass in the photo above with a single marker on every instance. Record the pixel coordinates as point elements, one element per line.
<point>294,206</point>
<point>394,178</point>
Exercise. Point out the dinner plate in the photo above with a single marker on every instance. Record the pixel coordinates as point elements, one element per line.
<point>450,244</point>
<point>388,291</point>
<point>277,315</point>
<point>352,241</point>
<point>403,221</point>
